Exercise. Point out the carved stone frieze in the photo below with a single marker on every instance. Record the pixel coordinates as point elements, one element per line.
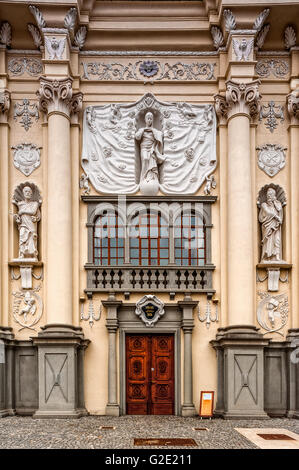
<point>19,65</point>
<point>25,110</point>
<point>139,70</point>
<point>271,158</point>
<point>272,312</point>
<point>26,158</point>
<point>277,67</point>
<point>242,48</point>
<point>57,96</point>
<point>271,112</point>
<point>293,106</point>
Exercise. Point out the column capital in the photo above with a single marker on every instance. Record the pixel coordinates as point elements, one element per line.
<point>56,96</point>
<point>293,106</point>
<point>4,103</point>
<point>240,98</point>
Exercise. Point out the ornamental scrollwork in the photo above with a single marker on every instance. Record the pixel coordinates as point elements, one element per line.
<point>277,67</point>
<point>19,65</point>
<point>142,70</point>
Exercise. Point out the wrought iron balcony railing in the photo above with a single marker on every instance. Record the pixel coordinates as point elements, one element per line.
<point>149,278</point>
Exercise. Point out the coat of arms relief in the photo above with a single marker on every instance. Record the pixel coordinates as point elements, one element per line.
<point>149,146</point>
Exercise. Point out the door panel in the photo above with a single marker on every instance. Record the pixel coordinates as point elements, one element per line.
<point>162,376</point>
<point>150,374</point>
<point>137,375</point>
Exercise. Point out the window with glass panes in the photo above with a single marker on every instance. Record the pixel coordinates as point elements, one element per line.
<point>108,240</point>
<point>149,240</point>
<point>189,240</point>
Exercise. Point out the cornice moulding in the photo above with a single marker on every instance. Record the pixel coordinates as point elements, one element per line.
<point>148,53</point>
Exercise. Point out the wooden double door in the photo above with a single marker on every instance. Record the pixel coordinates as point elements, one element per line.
<point>150,374</point>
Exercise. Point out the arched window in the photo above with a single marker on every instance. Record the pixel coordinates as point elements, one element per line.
<point>189,240</point>
<point>108,240</point>
<point>149,240</point>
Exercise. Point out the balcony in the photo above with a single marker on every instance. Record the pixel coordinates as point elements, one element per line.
<point>169,279</point>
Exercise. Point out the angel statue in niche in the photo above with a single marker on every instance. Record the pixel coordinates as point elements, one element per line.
<point>27,199</point>
<point>150,144</point>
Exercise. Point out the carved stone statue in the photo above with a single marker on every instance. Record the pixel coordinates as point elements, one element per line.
<point>151,155</point>
<point>27,199</point>
<point>271,202</point>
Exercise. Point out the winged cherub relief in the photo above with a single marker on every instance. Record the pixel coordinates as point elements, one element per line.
<point>55,47</point>
<point>242,48</point>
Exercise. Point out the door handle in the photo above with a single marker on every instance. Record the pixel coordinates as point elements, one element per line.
<point>152,369</point>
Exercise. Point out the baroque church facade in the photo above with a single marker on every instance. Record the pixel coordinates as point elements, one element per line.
<point>149,207</point>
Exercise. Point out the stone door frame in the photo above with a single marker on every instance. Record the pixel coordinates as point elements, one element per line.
<point>122,319</point>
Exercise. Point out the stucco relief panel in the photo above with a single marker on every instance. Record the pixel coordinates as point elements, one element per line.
<point>149,145</point>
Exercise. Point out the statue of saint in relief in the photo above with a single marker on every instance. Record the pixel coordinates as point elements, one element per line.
<point>271,218</point>
<point>151,155</point>
<point>27,218</point>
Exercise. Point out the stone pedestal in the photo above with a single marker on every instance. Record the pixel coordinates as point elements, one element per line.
<point>60,371</point>
<point>292,347</point>
<point>240,372</point>
<point>6,372</point>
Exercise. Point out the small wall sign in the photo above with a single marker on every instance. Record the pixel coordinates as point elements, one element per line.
<point>149,309</point>
<point>206,404</point>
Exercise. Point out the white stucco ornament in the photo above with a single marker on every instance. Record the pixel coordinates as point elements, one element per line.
<point>149,146</point>
<point>271,158</point>
<point>26,158</point>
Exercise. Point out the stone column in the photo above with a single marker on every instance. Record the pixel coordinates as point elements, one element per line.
<point>240,346</point>
<point>57,100</point>
<point>187,305</point>
<point>239,104</point>
<point>293,110</point>
<point>4,239</point>
<point>59,343</point>
<point>111,304</point>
